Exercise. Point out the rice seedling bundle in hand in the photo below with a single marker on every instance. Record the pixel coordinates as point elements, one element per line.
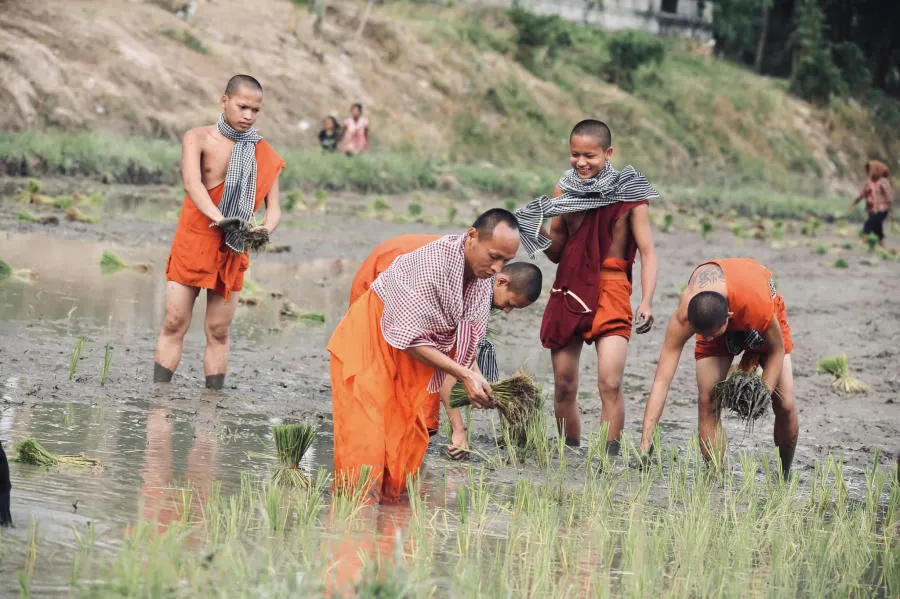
<point>32,452</point>
<point>745,394</point>
<point>517,399</point>
<point>20,274</point>
<point>292,441</point>
<point>843,382</point>
<point>255,238</point>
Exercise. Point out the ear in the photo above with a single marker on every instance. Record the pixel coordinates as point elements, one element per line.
<point>609,152</point>
<point>730,315</point>
<point>503,279</point>
<point>472,233</point>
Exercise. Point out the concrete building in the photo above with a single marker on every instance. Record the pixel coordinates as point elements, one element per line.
<point>660,17</point>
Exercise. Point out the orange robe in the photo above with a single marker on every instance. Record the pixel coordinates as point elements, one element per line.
<point>376,263</point>
<point>378,396</point>
<point>199,256</point>
<point>753,300</point>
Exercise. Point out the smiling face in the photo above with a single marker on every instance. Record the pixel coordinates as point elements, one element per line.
<point>241,109</point>
<point>587,155</point>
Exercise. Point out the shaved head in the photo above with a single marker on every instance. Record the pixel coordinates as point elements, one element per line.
<point>597,130</point>
<point>239,82</point>
<point>525,279</point>
<point>707,311</point>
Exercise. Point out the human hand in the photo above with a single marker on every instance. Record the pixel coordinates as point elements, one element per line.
<point>644,321</point>
<point>231,225</point>
<point>645,458</point>
<point>478,390</point>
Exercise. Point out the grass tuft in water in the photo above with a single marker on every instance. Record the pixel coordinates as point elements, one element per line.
<point>841,263</point>
<point>76,356</point>
<point>107,362</point>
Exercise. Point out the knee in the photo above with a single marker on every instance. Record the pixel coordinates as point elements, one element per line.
<point>566,388</point>
<point>784,406</point>
<point>217,332</point>
<point>610,387</point>
<point>175,325</point>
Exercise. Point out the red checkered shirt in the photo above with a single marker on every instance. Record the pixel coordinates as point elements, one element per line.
<point>426,303</point>
<point>879,195</point>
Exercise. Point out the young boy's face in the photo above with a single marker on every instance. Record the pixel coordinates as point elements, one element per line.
<point>242,109</point>
<point>587,156</point>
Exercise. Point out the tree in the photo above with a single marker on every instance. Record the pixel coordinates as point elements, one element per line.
<point>814,76</point>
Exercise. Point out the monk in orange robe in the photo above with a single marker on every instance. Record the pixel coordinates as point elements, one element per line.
<point>394,347</point>
<point>518,285</point>
<point>733,307</point>
<point>228,171</point>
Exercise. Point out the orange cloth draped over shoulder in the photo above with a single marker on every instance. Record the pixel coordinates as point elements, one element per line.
<point>378,396</point>
<point>199,256</point>
<point>381,257</point>
<point>753,300</point>
<point>376,263</point>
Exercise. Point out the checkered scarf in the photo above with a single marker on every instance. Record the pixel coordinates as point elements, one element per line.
<point>239,195</point>
<point>425,303</point>
<point>608,187</point>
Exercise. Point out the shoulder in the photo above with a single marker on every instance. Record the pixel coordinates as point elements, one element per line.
<point>199,134</point>
<point>557,191</point>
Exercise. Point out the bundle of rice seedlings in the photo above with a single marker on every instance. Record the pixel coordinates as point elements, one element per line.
<point>255,238</point>
<point>745,394</point>
<point>32,452</point>
<point>292,441</point>
<point>25,216</point>
<point>290,310</point>
<point>706,229</point>
<point>841,263</point>
<point>31,189</point>
<point>840,369</point>
<point>517,399</point>
<point>872,242</point>
<point>76,215</point>
<point>19,274</point>
<point>668,223</point>
<point>111,264</point>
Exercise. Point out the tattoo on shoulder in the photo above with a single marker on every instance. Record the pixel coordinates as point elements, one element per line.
<point>708,275</point>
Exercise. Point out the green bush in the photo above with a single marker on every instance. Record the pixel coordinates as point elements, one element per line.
<point>630,51</point>
<point>537,33</point>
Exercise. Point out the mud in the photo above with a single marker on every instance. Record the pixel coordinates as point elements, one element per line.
<point>155,439</point>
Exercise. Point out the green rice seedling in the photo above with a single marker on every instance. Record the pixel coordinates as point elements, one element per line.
<point>516,399</point>
<point>415,209</point>
<point>321,196</point>
<point>380,205</point>
<point>293,200</point>
<point>75,214</point>
<point>25,216</point>
<point>32,452</point>
<point>839,367</point>
<point>778,232</point>
<point>847,246</point>
<point>668,223</point>
<point>744,394</point>
<point>841,263</point>
<point>76,356</point>
<point>821,250</point>
<point>292,441</point>
<point>7,272</point>
<point>350,496</point>
<point>31,189</point>
<point>107,362</point>
<point>290,311</point>
<point>872,242</point>
<point>706,229</point>
<point>111,264</point>
<point>452,213</point>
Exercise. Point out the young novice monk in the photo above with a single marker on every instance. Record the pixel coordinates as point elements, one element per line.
<point>228,170</point>
<point>733,307</point>
<point>601,222</point>
<point>518,285</point>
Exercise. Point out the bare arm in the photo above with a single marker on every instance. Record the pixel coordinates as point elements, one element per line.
<point>477,389</point>
<point>775,357</point>
<point>861,195</point>
<point>558,233</point>
<point>640,228</point>
<point>678,332</point>
<point>273,208</point>
<point>191,176</point>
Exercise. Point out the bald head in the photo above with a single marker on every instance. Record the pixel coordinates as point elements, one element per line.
<point>525,280</point>
<point>708,311</point>
<point>491,242</point>
<point>597,130</point>
<point>239,82</point>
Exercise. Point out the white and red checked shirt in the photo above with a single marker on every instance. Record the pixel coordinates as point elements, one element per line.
<point>426,303</point>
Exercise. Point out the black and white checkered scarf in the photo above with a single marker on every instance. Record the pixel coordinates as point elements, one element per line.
<point>579,195</point>
<point>239,195</point>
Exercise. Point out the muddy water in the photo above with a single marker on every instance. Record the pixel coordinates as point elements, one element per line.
<point>155,440</point>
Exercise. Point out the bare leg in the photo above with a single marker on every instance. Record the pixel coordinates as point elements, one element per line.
<point>565,389</point>
<point>712,438</point>
<point>611,354</point>
<point>179,306</point>
<point>219,315</point>
<point>457,424</point>
<point>787,425</point>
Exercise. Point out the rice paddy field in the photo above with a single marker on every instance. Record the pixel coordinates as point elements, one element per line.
<point>176,496</point>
